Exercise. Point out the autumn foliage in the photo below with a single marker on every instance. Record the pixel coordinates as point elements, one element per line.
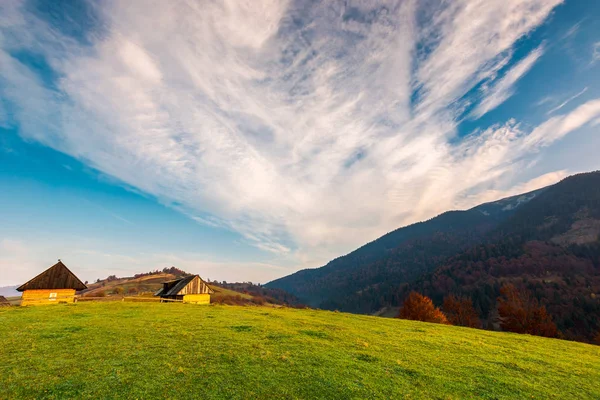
<point>460,311</point>
<point>420,308</point>
<point>521,314</point>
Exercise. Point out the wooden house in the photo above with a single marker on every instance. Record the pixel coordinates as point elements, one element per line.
<point>4,302</point>
<point>191,289</point>
<point>55,285</point>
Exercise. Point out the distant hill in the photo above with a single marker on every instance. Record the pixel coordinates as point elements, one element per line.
<point>148,283</point>
<point>545,242</point>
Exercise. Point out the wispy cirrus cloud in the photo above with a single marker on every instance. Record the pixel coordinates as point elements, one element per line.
<point>497,93</point>
<point>595,52</point>
<point>567,101</point>
<point>307,127</point>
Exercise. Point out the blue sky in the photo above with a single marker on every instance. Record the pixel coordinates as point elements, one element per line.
<point>247,141</point>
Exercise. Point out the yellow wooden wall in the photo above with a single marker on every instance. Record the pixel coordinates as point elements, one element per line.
<point>47,296</point>
<point>197,298</point>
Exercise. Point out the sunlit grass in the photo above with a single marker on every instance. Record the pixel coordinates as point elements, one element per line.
<point>146,350</point>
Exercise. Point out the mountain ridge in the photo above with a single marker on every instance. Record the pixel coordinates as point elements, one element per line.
<point>483,213</point>
<point>546,242</point>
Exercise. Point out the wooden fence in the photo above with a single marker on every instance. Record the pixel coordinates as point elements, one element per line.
<point>78,298</point>
<point>138,299</point>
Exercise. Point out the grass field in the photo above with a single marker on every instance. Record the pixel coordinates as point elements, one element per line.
<point>149,351</point>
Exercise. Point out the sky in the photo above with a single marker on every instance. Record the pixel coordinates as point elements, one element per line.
<point>246,140</point>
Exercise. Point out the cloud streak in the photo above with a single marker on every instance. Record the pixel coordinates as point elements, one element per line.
<point>307,128</point>
<point>564,103</point>
<point>499,92</point>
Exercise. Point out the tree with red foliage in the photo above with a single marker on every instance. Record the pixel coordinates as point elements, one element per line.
<point>460,311</point>
<point>420,308</point>
<point>521,314</point>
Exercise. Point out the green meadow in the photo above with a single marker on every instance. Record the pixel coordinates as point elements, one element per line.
<point>121,350</point>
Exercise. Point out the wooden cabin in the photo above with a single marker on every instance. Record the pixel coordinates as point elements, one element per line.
<point>55,285</point>
<point>191,289</point>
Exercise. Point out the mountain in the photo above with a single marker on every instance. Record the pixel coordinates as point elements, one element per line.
<point>399,256</point>
<point>545,242</point>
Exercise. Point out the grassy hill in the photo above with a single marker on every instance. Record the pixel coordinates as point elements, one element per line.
<point>149,284</point>
<point>147,350</point>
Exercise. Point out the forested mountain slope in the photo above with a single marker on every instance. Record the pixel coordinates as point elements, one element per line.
<point>401,255</point>
<point>548,245</point>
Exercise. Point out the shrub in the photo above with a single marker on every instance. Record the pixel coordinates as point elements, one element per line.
<point>101,293</point>
<point>460,311</point>
<point>520,313</point>
<point>118,290</point>
<point>132,290</point>
<point>258,300</point>
<point>420,308</point>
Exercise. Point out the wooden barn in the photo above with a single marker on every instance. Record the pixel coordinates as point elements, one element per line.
<point>55,285</point>
<point>191,289</point>
<point>4,302</point>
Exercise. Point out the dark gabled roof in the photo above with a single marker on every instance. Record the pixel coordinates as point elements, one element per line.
<point>57,276</point>
<point>177,285</point>
<point>4,302</point>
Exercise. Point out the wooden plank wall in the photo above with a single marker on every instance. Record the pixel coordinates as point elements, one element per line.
<point>47,296</point>
<point>196,286</point>
<point>197,298</point>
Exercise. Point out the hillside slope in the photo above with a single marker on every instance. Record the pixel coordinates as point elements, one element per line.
<point>549,248</point>
<point>147,350</point>
<point>546,242</point>
<point>146,284</point>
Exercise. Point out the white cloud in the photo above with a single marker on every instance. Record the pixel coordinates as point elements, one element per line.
<point>500,91</point>
<point>296,126</point>
<point>567,101</point>
<point>557,127</point>
<point>595,52</point>
<point>536,183</point>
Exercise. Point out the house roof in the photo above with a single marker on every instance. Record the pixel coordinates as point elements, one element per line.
<point>3,301</point>
<point>178,285</point>
<point>57,276</point>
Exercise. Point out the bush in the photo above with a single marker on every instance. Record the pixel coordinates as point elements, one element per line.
<point>118,290</point>
<point>520,313</point>
<point>420,308</point>
<point>132,290</point>
<point>460,311</point>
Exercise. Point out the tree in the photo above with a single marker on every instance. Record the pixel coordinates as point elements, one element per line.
<point>420,308</point>
<point>118,290</point>
<point>520,313</point>
<point>460,311</point>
